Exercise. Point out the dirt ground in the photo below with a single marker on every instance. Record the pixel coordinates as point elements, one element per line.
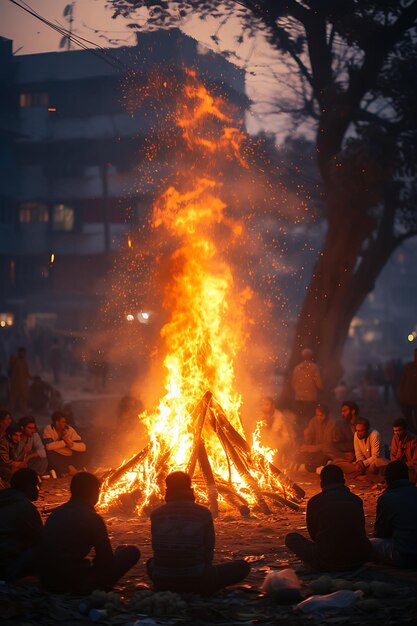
<point>259,539</point>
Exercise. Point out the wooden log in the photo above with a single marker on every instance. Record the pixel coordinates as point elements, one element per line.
<point>126,467</point>
<point>209,479</point>
<point>234,499</point>
<point>243,470</point>
<point>200,412</point>
<point>280,500</point>
<point>283,478</point>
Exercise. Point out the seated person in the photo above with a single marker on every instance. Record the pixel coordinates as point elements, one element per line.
<point>183,544</point>
<point>20,526</point>
<point>368,461</point>
<point>396,519</point>
<point>70,532</point>
<point>345,430</point>
<point>9,460</point>
<point>336,524</point>
<point>277,432</point>
<point>65,450</point>
<point>30,448</point>
<point>404,447</point>
<point>319,440</point>
<point>39,394</point>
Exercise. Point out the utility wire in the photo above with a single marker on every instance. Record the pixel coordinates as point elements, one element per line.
<point>102,53</point>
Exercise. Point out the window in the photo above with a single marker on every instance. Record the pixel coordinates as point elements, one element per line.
<point>35,99</point>
<point>33,212</point>
<point>63,218</point>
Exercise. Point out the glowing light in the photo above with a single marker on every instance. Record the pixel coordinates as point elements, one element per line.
<point>144,317</point>
<point>52,109</point>
<point>2,323</point>
<point>129,242</point>
<point>411,337</point>
<point>130,317</point>
<point>52,259</point>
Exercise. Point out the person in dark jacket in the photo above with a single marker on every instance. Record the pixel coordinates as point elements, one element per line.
<point>404,447</point>
<point>71,531</point>
<point>183,544</point>
<point>396,519</point>
<point>319,440</point>
<point>336,524</point>
<point>20,526</point>
<point>345,430</point>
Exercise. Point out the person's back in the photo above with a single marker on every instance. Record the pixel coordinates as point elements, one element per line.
<point>71,531</point>
<point>182,540</point>
<point>336,523</point>
<point>183,544</point>
<point>20,522</point>
<point>396,516</point>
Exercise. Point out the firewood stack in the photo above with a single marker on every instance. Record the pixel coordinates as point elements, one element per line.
<point>208,416</point>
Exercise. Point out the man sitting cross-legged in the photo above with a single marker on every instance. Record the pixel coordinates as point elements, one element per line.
<point>183,544</point>
<point>396,519</point>
<point>336,524</point>
<point>20,526</point>
<point>71,531</point>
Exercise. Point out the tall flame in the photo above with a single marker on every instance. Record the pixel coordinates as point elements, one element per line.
<point>206,326</point>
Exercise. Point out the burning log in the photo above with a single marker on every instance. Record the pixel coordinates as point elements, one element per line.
<point>280,500</point>
<point>234,499</point>
<point>283,478</point>
<point>126,467</point>
<point>200,411</point>
<point>209,479</point>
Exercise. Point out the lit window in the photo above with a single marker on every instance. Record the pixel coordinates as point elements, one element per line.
<point>63,217</point>
<point>33,99</point>
<point>33,212</point>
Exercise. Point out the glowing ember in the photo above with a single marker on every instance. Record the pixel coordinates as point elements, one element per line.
<point>198,418</point>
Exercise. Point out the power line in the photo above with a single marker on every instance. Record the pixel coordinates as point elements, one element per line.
<point>102,53</point>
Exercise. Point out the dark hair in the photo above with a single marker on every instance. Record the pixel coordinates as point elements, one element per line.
<point>57,415</point>
<point>400,422</point>
<point>396,470</point>
<point>323,408</point>
<point>364,421</point>
<point>4,414</point>
<point>12,430</point>
<point>24,478</point>
<point>24,421</point>
<point>178,481</point>
<point>83,485</point>
<point>352,406</point>
<point>331,474</point>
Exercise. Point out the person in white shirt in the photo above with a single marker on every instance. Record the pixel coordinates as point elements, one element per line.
<point>369,461</point>
<point>65,449</point>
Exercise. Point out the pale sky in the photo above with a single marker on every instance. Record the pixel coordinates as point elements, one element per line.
<point>92,20</point>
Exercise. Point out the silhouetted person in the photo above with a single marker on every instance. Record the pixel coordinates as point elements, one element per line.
<point>407,394</point>
<point>30,448</point>
<point>183,544</point>
<point>9,459</point>
<point>306,384</point>
<point>345,430</point>
<point>336,525</point>
<point>20,526</point>
<point>319,440</point>
<point>65,449</point>
<point>40,393</point>
<point>71,532</point>
<point>278,431</point>
<point>19,381</point>
<point>396,519</point>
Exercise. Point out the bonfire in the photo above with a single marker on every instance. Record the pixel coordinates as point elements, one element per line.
<point>197,426</point>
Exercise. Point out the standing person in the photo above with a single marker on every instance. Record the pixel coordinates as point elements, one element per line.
<point>306,384</point>
<point>65,449</point>
<point>408,393</point>
<point>404,447</point>
<point>345,430</point>
<point>9,460</point>
<point>55,360</point>
<point>336,525</point>
<point>40,393</point>
<point>389,381</point>
<point>396,519</point>
<point>20,526</point>
<point>71,532</point>
<point>30,448</point>
<point>183,544</point>
<point>319,440</point>
<point>19,381</point>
